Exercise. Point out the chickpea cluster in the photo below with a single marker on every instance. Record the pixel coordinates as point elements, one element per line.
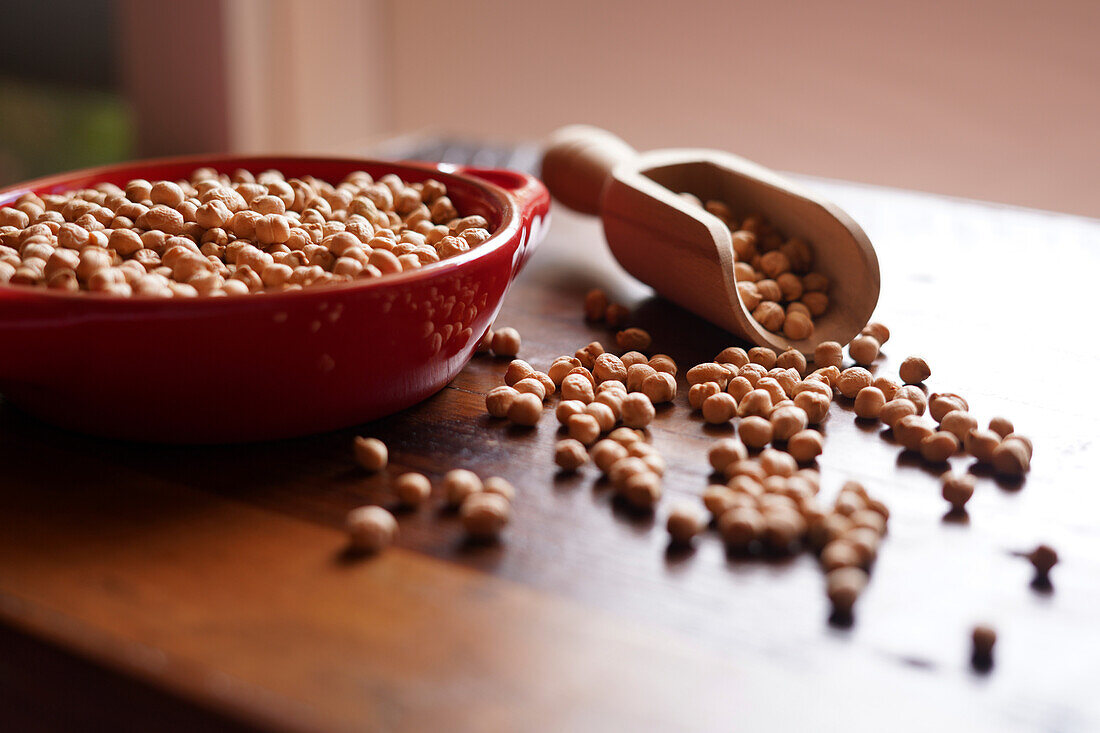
<point>775,277</point>
<point>217,234</point>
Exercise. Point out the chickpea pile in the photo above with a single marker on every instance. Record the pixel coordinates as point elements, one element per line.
<point>216,235</point>
<point>775,276</point>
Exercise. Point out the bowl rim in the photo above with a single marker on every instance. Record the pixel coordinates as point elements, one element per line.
<point>511,220</point>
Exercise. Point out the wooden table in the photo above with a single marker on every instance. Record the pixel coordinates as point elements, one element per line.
<point>160,588</point>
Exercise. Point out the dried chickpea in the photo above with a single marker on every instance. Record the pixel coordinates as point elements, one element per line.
<point>561,367</point>
<point>733,355</point>
<point>526,409</point>
<point>371,454</point>
<point>910,431</point>
<point>1043,558</point>
<point>864,350</point>
<point>595,305</point>
<point>939,404</point>
<point>740,527</point>
<point>567,408</point>
<point>914,370</point>
<point>637,410</point>
<point>1011,458</point>
<point>570,454</point>
<point>792,359</point>
<point>370,528</point>
<point>616,315</point>
<point>530,385</point>
<point>626,436</point>
<point>576,387</point>
<point>814,404</point>
<point>587,355</point>
<point>484,515</point>
<point>877,331</point>
<point>412,489</point>
<point>852,380</point>
<point>631,358</point>
<point>609,366</point>
<point>798,326</point>
<point>805,445</point>
<point>517,369</point>
<point>700,392</point>
<point>756,432</point>
<point>499,400</point>
<point>869,403</point>
<point>787,421</point>
<point>662,363</point>
<point>887,386</point>
<point>958,423</point>
<point>607,453</point>
<point>584,428</point>
<point>981,444</point>
<point>777,463</point>
<point>459,484</point>
<point>633,339</point>
<point>506,341</point>
<point>982,640</point>
<point>685,521</point>
<point>604,415</point>
<point>642,490</point>
<point>1002,426</point>
<point>840,553</point>
<point>828,353</point>
<point>719,408</point>
<point>894,410</point>
<point>710,372</point>
<point>957,489</point>
<point>770,315</point>
<point>659,387</point>
<point>843,586</point>
<point>726,451</point>
<point>939,446</point>
<point>763,356</point>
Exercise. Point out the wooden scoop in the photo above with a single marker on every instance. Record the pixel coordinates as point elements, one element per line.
<point>684,252</point>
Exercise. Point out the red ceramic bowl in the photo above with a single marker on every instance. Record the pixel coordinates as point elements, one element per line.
<point>259,367</point>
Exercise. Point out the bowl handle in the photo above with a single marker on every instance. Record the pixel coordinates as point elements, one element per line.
<point>530,198</point>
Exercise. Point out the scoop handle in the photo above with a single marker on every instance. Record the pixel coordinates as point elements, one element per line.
<point>576,163</point>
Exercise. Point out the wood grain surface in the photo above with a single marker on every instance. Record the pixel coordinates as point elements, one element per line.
<point>146,587</point>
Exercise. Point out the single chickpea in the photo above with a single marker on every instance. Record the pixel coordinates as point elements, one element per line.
<point>609,366</point>
<point>982,640</point>
<point>787,421</point>
<point>958,423</point>
<point>740,527</point>
<point>816,303</point>
<point>749,294</point>
<point>606,453</point>
<point>770,315</point>
<point>484,515</point>
<point>777,463</point>
<point>570,454</point>
<point>726,451</point>
<point>584,428</point>
<point>1002,426</point>
<point>887,386</point>
<point>1025,442</point>
<point>625,468</point>
<point>633,339</point>
<point>659,387</point>
<point>561,367</point>
<point>583,372</point>
<point>877,331</point>
<point>957,489</point>
<point>939,404</point>
<point>805,446</point>
<point>939,446</point>
<point>710,372</point>
<point>603,413</point>
<point>864,350</point>
<point>631,358</point>
<point>981,444</point>
<point>828,353</point>
<point>626,436</point>
<point>798,326</point>
<point>843,587</point>
<point>763,356</point>
<point>1011,458</point>
<point>371,454</point>
<point>167,193</point>
<point>773,388</point>
<point>637,410</point>
<point>894,410</point>
<point>459,484</point>
<point>506,342</point>
<point>412,489</point>
<point>663,363</point>
<point>567,408</point>
<point>588,354</point>
<point>914,370</point>
<point>700,392</point>
<point>792,359</point>
<point>1043,558</point>
<point>595,305</point>
<point>910,431</point>
<point>576,387</point>
<point>642,490</point>
<point>839,553</point>
<point>757,403</point>
<point>370,528</point>
<point>531,385</point>
<point>814,404</point>
<point>719,408</point>
<point>685,521</point>
<point>733,355</point>
<point>616,315</point>
<point>869,403</point>
<point>738,388</point>
<point>756,432</point>
<point>852,380</point>
<point>526,409</point>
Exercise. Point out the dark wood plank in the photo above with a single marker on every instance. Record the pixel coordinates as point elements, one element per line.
<point>227,560</point>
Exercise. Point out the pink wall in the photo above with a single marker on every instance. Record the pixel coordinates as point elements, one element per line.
<point>989,99</point>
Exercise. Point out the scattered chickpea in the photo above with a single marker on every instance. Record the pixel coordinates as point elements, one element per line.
<point>637,410</point>
<point>371,454</point>
<point>763,356</point>
<point>603,414</point>
<point>914,370</point>
<point>595,305</point>
<point>959,424</point>
<point>792,359</point>
<point>700,392</point>
<point>1002,426</point>
<point>609,367</point>
<point>719,408</point>
<point>869,403</point>
<point>607,453</point>
<point>864,350</point>
<point>484,515</point>
<point>852,380</point>
<point>458,484</point>
<point>878,331</point>
<point>616,315</point>
<point>412,489</point>
<point>526,409</point>
<point>626,436</point>
<point>1043,558</point>
<point>887,386</point>
<point>910,431</point>
<point>1011,458</point>
<point>726,451</point>
<point>805,445</point>
<point>642,490</point>
<point>814,404</point>
<point>685,521</point>
<point>939,404</point>
<point>957,489</point>
<point>583,428</point>
<point>843,586</point>
<point>939,446</point>
<point>894,410</point>
<point>506,342</point>
<point>570,454</point>
<point>982,640</point>
<point>517,369</point>
<point>734,355</point>
<point>914,395</point>
<point>981,444</point>
<point>577,387</point>
<point>659,387</point>
<point>787,421</point>
<point>828,353</point>
<point>756,432</point>
<point>633,339</point>
<point>370,528</point>
<point>531,385</point>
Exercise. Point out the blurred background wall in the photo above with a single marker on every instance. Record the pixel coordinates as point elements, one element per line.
<point>989,99</point>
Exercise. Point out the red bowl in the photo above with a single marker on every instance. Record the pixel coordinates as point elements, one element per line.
<point>260,367</point>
